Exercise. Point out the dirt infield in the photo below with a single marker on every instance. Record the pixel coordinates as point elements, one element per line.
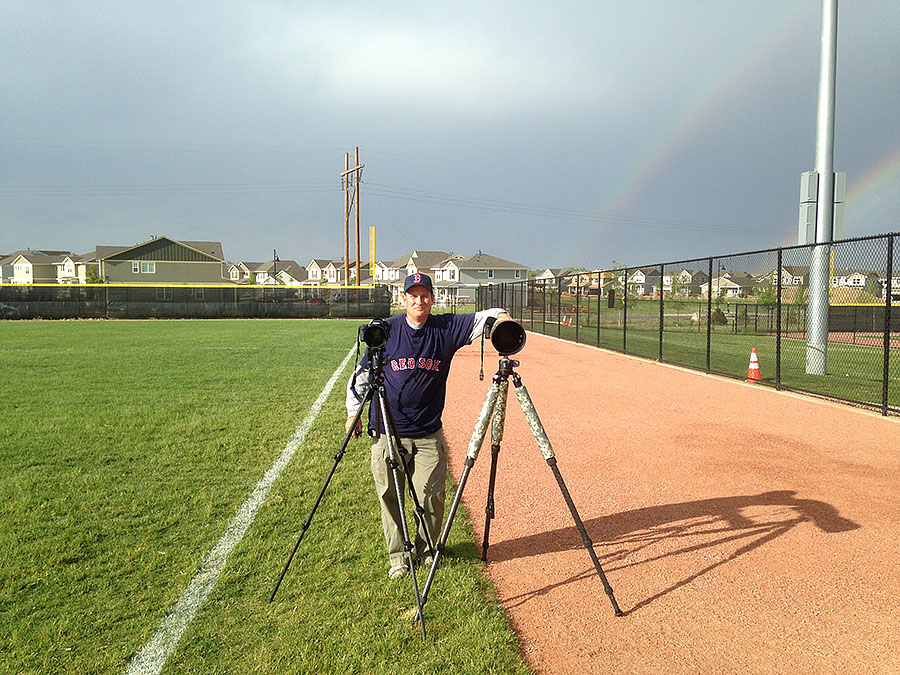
<point>742,529</point>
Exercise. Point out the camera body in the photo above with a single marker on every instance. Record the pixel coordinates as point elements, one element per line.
<point>375,333</point>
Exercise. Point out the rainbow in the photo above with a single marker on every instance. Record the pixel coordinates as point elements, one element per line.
<point>880,181</point>
<point>687,122</point>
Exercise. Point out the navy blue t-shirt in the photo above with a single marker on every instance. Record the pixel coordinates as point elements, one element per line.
<point>416,367</point>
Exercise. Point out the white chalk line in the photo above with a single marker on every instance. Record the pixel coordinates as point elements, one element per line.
<point>153,655</point>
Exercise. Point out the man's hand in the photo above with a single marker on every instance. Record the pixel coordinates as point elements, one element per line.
<point>357,432</point>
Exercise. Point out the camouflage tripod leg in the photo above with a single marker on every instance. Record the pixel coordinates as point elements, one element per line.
<point>487,411</point>
<point>540,436</point>
<point>496,436</point>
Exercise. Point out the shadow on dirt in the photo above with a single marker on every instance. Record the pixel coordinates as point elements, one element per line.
<point>701,524</point>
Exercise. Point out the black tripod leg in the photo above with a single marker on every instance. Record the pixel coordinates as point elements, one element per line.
<point>398,488</point>
<point>496,437</point>
<point>337,459</point>
<point>540,435</point>
<point>418,510</point>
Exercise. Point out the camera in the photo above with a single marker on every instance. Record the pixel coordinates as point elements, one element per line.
<point>375,333</point>
<point>507,337</point>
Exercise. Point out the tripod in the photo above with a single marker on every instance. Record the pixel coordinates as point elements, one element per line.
<point>494,412</point>
<point>376,393</point>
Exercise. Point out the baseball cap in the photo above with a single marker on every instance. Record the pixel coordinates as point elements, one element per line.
<point>418,280</point>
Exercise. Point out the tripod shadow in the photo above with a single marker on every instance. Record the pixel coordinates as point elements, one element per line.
<point>724,519</point>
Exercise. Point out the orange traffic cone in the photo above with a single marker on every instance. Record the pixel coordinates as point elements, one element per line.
<point>753,368</point>
<point>565,320</point>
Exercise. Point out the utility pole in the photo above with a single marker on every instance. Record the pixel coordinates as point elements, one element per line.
<point>351,177</point>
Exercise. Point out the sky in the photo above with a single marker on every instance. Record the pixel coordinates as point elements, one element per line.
<point>550,134</point>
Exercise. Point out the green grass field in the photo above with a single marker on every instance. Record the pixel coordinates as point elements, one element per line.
<point>127,447</point>
<point>855,372</point>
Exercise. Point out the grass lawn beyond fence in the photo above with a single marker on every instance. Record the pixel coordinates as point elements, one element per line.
<point>127,448</point>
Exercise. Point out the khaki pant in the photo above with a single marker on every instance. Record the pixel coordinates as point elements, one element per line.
<point>427,460</point>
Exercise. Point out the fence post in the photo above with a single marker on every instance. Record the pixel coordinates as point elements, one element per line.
<point>778,324</point>
<point>599,299</point>
<point>558,306</point>
<point>577,307</point>
<point>529,292</point>
<point>625,313</point>
<point>889,285</point>
<point>709,314</point>
<point>662,272</point>
<point>544,306</point>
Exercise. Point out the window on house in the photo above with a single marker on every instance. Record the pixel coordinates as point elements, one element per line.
<point>136,268</point>
<point>163,293</point>
<point>198,293</point>
<point>452,275</point>
<point>148,268</point>
<point>518,274</point>
<point>490,274</point>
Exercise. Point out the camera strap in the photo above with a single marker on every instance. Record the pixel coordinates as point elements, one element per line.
<point>355,365</point>
<point>488,324</point>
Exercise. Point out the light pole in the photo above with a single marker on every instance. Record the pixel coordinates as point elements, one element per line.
<point>819,281</point>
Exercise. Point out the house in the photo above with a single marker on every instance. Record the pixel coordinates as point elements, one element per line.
<point>644,281</point>
<point>81,269</point>
<point>553,277</point>
<point>386,272</point>
<point>334,273</point>
<point>163,260</point>
<point>283,272</point>
<point>589,283</point>
<point>394,272</point>
<point>554,273</point>
<point>241,272</point>
<point>31,266</point>
<point>457,278</point>
<point>684,282</point>
<point>794,275</point>
<point>730,285</point>
<point>290,273</point>
<point>315,270</point>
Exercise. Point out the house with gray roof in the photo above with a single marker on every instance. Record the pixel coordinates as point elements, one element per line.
<point>31,266</point>
<point>163,260</point>
<point>456,279</point>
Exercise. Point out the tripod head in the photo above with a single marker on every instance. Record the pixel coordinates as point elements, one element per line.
<point>506,368</point>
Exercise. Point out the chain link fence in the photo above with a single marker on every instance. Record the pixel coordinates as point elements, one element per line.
<point>823,319</point>
<point>107,301</point>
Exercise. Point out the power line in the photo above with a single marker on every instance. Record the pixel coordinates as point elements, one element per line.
<point>412,194</point>
<point>377,190</point>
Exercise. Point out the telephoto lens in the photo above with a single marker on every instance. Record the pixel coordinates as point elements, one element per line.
<point>508,337</point>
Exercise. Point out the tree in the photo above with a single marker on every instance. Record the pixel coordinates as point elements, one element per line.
<point>768,293</point>
<point>91,276</point>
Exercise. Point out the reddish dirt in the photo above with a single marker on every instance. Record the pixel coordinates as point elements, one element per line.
<point>742,529</point>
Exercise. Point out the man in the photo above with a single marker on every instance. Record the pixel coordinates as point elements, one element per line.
<point>417,359</point>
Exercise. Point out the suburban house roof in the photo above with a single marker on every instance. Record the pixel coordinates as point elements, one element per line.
<point>426,259</point>
<point>482,260</point>
<point>172,249</point>
<point>36,256</point>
